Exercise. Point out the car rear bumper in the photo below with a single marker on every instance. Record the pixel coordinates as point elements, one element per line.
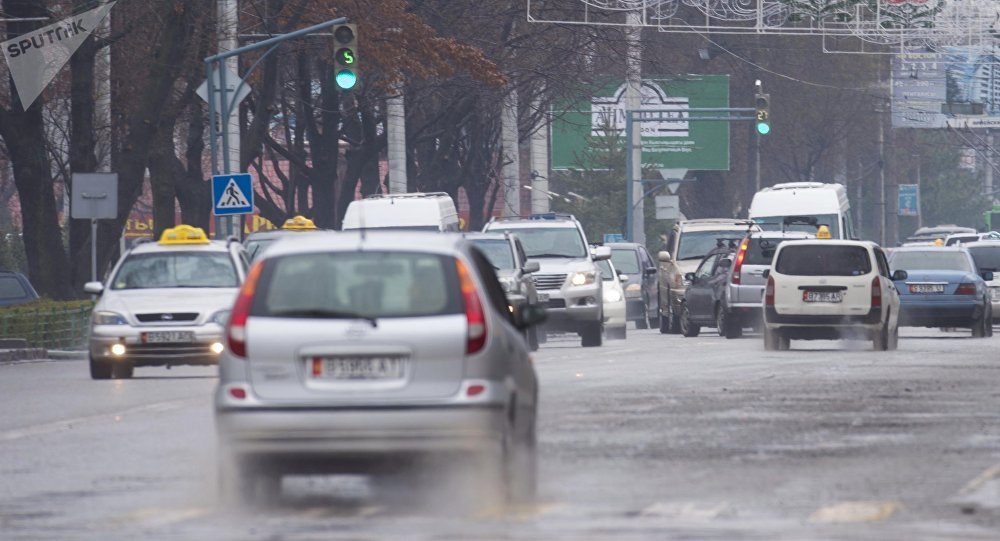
<point>927,314</point>
<point>773,319</point>
<point>350,431</point>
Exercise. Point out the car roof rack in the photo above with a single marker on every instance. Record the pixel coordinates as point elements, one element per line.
<point>539,216</point>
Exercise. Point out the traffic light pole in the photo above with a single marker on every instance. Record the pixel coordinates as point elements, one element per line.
<point>228,100</point>
<point>704,114</point>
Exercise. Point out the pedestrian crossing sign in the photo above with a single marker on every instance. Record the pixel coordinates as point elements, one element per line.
<point>232,194</point>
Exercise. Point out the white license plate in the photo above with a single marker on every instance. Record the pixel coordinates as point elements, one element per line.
<point>165,337</point>
<point>358,368</point>
<point>926,288</point>
<point>543,297</point>
<point>822,296</point>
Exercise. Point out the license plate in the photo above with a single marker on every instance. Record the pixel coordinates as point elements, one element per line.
<point>162,337</point>
<point>926,288</point>
<point>543,297</point>
<point>822,296</point>
<point>358,368</point>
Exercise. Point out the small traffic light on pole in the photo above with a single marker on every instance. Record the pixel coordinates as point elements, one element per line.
<point>762,105</point>
<point>345,59</point>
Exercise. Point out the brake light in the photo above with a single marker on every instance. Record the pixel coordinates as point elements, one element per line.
<point>769,292</point>
<point>966,288</point>
<point>474,315</point>
<point>236,333</point>
<point>738,264</point>
<point>876,293</point>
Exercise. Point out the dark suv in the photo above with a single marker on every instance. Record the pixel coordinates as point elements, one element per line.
<point>514,272</point>
<point>15,289</point>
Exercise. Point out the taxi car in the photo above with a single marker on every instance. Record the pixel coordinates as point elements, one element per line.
<point>615,307</point>
<point>165,303</point>
<point>258,241</point>
<point>826,289</point>
<point>363,352</point>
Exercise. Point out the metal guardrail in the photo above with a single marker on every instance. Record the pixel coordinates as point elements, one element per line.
<point>48,327</point>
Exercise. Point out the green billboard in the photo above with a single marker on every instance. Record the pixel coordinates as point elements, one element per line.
<point>672,143</point>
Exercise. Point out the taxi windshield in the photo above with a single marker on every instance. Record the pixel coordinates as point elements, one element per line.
<point>176,269</point>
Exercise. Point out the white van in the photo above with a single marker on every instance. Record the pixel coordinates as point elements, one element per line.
<point>827,203</point>
<point>431,211</point>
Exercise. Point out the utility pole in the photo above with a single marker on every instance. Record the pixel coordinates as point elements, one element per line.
<point>511,164</point>
<point>989,165</point>
<point>396,133</point>
<point>633,102</point>
<point>881,177</point>
<point>228,15</point>
<point>540,164</point>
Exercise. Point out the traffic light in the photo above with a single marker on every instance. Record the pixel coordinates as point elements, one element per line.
<point>345,59</point>
<point>763,119</point>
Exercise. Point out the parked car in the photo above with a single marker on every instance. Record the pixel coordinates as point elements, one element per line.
<point>732,301</point>
<point>943,288</point>
<point>831,289</point>
<point>417,211</point>
<point>641,300</point>
<point>986,255</point>
<point>350,353</point>
<point>15,289</point>
<point>165,303</point>
<point>514,271</point>
<point>687,245</point>
<point>568,281</point>
<point>615,321</point>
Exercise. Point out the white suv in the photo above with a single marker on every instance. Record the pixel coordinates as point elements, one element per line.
<point>826,289</point>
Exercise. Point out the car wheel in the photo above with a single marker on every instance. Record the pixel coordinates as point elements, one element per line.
<point>100,369</point>
<point>673,324</point>
<point>727,325</point>
<point>643,321</point>
<point>533,339</point>
<point>688,329</point>
<point>979,327</point>
<point>894,338</point>
<point>122,370</point>
<point>654,318</point>
<point>880,342</point>
<point>784,342</point>
<point>770,339</point>
<point>590,335</point>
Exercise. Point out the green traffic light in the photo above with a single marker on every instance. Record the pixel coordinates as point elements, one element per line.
<point>763,128</point>
<point>346,79</point>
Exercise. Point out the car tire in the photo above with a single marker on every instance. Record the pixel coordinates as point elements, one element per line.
<point>770,339</point>
<point>688,329</point>
<point>122,370</point>
<point>784,342</point>
<point>880,342</point>
<point>100,369</point>
<point>533,339</point>
<point>618,333</point>
<point>979,326</point>
<point>643,321</point>
<point>728,325</point>
<point>673,323</point>
<point>591,334</point>
<point>654,319</point>
<point>894,338</point>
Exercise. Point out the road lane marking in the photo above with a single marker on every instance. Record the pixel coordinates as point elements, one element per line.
<point>66,424</point>
<point>159,517</point>
<point>687,510</point>
<point>854,511</point>
<point>981,479</point>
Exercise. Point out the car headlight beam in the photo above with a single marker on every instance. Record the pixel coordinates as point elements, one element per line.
<point>583,278</point>
<point>612,295</point>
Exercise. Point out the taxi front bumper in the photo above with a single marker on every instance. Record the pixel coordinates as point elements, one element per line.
<point>198,344</point>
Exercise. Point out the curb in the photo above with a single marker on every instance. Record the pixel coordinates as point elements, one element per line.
<point>22,354</point>
<point>68,354</point>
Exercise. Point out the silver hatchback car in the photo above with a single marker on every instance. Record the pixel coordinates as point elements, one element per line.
<point>365,352</point>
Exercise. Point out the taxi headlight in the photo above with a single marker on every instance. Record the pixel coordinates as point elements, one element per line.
<point>583,278</point>
<point>612,295</point>
<point>108,318</point>
<point>221,317</point>
<point>633,288</point>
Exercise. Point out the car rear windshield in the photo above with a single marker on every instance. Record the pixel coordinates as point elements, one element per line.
<point>358,284</point>
<point>776,223</point>
<point>549,241</point>
<point>11,288</point>
<point>697,244</point>
<point>176,269</point>
<point>823,260</point>
<point>911,260</point>
<point>761,251</point>
<point>626,260</point>
<point>986,257</point>
<point>497,251</point>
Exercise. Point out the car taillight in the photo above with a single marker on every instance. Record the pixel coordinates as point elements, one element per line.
<point>769,292</point>
<point>236,329</point>
<point>876,293</point>
<point>474,314</point>
<point>738,264</point>
<point>966,288</point>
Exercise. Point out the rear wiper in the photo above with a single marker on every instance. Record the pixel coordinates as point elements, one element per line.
<point>322,313</point>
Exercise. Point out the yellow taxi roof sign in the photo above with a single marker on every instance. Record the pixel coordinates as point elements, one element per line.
<point>299,223</point>
<point>184,234</point>
<point>823,232</point>
<point>938,242</point>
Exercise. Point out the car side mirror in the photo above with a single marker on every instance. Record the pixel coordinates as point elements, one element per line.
<point>94,288</point>
<point>899,275</point>
<point>689,277</point>
<point>650,271</point>
<point>601,253</point>
<point>623,278</point>
<point>664,256</point>
<point>529,315</point>
<point>725,263</point>
<point>766,273</point>
<point>530,267</point>
<point>988,276</point>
